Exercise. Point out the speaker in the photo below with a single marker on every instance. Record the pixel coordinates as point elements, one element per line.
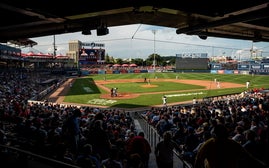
<point>86,32</point>
<point>102,31</point>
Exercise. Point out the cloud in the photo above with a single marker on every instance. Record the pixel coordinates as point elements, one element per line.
<point>137,41</point>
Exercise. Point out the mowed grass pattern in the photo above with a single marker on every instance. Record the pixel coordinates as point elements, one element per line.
<point>85,91</point>
<point>141,87</point>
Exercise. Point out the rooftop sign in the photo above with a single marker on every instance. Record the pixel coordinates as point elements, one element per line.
<point>93,44</point>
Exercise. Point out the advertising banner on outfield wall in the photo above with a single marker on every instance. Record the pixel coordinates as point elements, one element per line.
<point>265,66</point>
<point>221,71</point>
<point>214,71</point>
<point>93,72</point>
<point>123,71</point>
<point>109,71</point>
<point>224,72</point>
<point>139,71</point>
<point>244,72</point>
<point>236,72</point>
<point>116,72</point>
<point>228,72</point>
<point>84,72</point>
<point>130,71</point>
<point>101,72</point>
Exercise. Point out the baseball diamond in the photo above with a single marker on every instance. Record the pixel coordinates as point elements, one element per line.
<point>183,93</point>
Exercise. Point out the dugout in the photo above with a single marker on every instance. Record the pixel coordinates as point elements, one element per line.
<point>49,82</point>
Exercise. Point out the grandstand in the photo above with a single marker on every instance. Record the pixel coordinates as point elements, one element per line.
<point>24,141</point>
<point>32,148</point>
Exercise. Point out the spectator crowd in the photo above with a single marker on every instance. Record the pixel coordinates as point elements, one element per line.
<point>244,115</point>
<point>106,137</point>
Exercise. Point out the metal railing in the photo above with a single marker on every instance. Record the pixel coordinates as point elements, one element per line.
<point>154,138</point>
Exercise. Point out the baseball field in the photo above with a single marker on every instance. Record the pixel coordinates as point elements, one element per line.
<point>147,89</point>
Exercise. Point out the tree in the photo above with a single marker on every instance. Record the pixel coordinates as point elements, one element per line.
<point>119,61</point>
<point>138,61</point>
<point>107,59</point>
<point>158,59</point>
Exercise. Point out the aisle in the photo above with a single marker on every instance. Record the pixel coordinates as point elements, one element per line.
<point>152,159</point>
<point>153,164</point>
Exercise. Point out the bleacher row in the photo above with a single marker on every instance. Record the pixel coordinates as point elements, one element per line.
<point>38,127</point>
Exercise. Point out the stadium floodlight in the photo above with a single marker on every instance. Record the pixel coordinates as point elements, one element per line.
<point>154,55</point>
<point>86,32</point>
<point>102,30</point>
<point>203,37</point>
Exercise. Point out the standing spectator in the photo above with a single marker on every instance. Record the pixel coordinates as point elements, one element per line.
<point>221,151</point>
<point>141,146</point>
<point>128,143</point>
<point>135,161</point>
<point>164,151</point>
<point>71,131</point>
<point>99,139</point>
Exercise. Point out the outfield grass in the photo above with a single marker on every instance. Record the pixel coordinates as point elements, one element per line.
<point>85,91</point>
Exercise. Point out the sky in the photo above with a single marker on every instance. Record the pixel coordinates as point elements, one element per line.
<point>140,41</point>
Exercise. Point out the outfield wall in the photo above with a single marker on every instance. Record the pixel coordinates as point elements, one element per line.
<point>244,72</point>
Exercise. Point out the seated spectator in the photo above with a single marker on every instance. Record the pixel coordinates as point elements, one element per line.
<point>164,151</point>
<point>220,151</point>
<point>251,144</point>
<point>86,159</point>
<point>113,160</point>
<point>239,136</point>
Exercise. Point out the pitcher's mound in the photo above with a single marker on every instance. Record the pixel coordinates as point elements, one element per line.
<point>149,86</point>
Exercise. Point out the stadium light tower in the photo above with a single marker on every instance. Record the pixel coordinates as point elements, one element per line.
<point>54,47</point>
<point>154,59</point>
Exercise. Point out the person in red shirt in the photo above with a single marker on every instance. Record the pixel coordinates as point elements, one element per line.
<point>139,145</point>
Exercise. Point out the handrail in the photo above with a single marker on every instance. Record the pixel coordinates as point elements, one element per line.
<point>43,160</point>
